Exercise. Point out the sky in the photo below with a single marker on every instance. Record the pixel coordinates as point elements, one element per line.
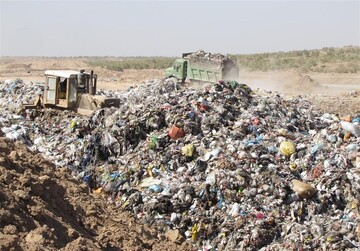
<point>169,28</point>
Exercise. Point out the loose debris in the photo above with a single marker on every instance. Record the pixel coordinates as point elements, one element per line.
<point>222,168</point>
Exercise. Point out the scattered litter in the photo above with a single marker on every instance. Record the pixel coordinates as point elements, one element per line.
<point>222,167</point>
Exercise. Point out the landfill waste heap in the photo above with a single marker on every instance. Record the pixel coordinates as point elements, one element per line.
<point>221,167</point>
<point>44,208</point>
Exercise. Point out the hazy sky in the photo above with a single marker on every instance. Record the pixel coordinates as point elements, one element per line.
<point>168,28</point>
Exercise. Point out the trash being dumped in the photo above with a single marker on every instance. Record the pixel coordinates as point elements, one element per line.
<point>203,68</point>
<point>222,168</point>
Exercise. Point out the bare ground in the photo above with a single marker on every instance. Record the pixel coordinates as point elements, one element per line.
<point>331,92</point>
<point>32,69</point>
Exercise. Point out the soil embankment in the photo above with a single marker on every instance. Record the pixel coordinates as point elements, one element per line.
<point>44,206</point>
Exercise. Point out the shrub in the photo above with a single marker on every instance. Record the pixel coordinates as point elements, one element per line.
<point>119,64</point>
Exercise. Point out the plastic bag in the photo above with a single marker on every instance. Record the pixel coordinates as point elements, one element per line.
<point>108,139</point>
<point>188,150</point>
<point>287,148</point>
<point>150,181</point>
<point>350,127</point>
<point>155,188</point>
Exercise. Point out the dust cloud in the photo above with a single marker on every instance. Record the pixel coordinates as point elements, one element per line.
<point>295,83</point>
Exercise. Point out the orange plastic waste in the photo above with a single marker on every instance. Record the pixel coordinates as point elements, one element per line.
<point>347,136</point>
<point>98,191</point>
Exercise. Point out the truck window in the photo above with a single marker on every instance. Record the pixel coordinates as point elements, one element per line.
<point>81,85</point>
<point>62,88</point>
<point>72,89</point>
<point>73,81</point>
<point>51,90</point>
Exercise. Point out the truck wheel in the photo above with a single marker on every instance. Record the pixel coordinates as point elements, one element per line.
<point>173,79</point>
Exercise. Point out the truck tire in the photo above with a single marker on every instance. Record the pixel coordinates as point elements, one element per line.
<point>174,79</point>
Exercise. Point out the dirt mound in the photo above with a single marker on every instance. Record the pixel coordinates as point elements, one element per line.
<point>300,84</point>
<point>307,80</point>
<point>44,207</point>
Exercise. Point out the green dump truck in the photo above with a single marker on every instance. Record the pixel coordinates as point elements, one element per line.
<point>203,67</point>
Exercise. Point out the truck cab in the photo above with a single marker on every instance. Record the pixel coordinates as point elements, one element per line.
<point>178,70</point>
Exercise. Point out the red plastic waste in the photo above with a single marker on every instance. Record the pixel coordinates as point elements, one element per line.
<point>176,133</point>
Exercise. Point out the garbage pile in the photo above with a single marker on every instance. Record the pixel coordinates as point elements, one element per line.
<point>202,56</point>
<point>222,168</point>
<point>14,93</point>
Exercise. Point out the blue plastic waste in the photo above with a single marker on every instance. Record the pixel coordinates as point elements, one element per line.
<point>316,148</point>
<point>155,188</point>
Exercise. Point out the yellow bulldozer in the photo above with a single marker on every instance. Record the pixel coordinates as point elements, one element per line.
<point>71,90</point>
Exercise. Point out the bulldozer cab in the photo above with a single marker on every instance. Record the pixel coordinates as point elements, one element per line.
<point>62,87</point>
<point>71,90</point>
